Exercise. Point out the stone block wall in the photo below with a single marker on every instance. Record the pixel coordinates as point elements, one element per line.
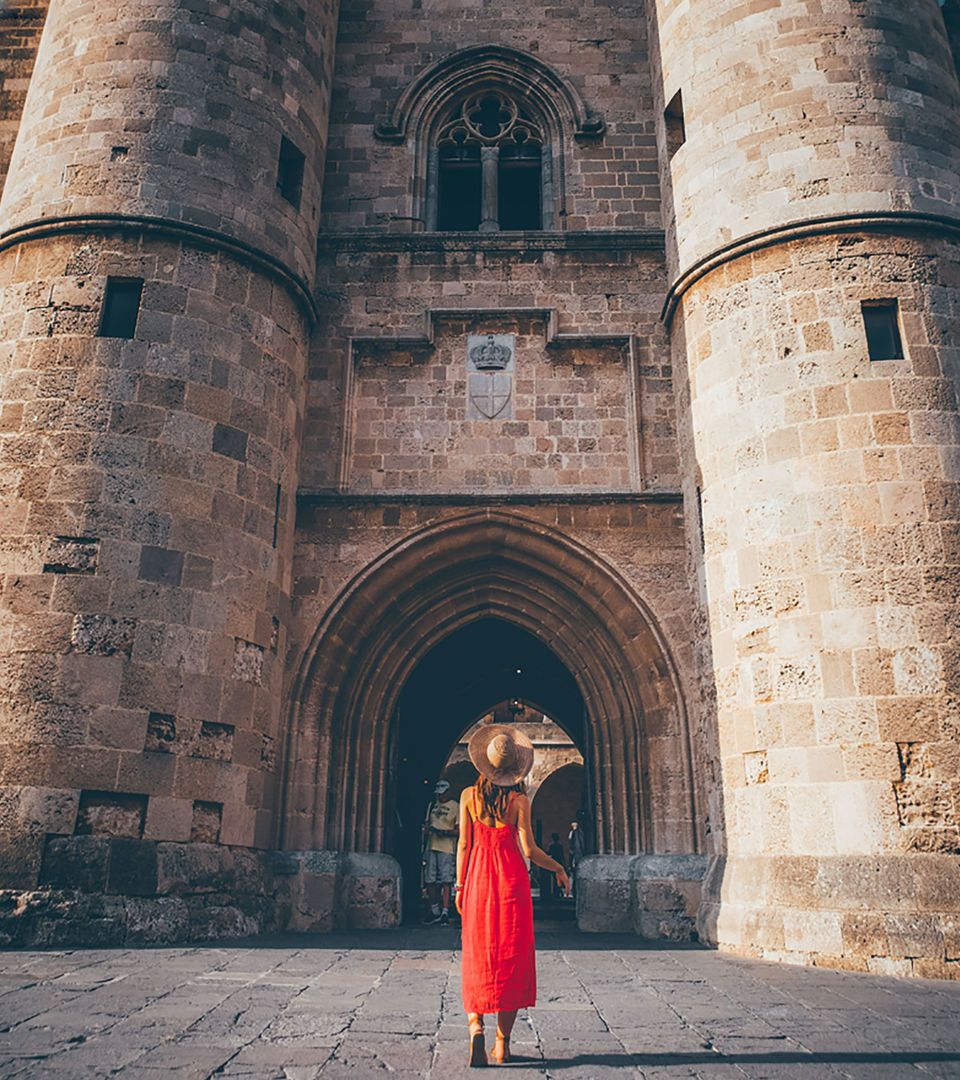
<point>149,474</point>
<point>569,422</point>
<point>178,113</point>
<point>108,891</point>
<point>594,401</point>
<point>142,608</point>
<point>794,113</point>
<point>610,183</point>
<point>831,510</point>
<point>821,484</point>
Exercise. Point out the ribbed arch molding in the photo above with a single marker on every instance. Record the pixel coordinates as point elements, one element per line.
<point>484,565</point>
<point>478,64</point>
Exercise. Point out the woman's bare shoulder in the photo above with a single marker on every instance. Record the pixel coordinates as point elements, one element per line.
<point>466,797</point>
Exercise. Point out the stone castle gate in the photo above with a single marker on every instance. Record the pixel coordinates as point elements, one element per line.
<point>349,351</point>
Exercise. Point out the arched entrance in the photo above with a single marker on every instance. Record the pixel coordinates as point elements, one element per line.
<point>462,588</point>
<point>558,802</point>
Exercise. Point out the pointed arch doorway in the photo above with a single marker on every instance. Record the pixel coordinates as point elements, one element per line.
<point>491,586</point>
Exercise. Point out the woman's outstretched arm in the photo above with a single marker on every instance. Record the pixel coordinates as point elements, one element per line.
<point>463,844</point>
<point>528,845</point>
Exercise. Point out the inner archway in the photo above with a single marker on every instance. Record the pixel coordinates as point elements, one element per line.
<point>613,679</point>
<point>558,802</point>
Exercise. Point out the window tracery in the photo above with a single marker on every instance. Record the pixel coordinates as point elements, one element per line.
<point>491,164</point>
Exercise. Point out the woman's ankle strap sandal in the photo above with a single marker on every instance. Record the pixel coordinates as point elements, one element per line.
<point>501,1056</point>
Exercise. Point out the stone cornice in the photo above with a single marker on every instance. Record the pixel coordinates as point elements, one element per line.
<point>169,229</point>
<point>348,500</point>
<point>886,221</point>
<point>520,242</point>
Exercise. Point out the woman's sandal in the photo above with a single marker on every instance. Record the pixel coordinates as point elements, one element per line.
<point>503,1056</point>
<point>478,1050</point>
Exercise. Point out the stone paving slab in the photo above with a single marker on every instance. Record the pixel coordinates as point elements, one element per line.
<point>388,1004</point>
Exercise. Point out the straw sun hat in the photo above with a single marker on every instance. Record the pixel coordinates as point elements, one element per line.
<point>501,754</point>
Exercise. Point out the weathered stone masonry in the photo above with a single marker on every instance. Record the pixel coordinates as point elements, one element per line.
<point>229,540</point>
<point>150,483</point>
<point>828,481</point>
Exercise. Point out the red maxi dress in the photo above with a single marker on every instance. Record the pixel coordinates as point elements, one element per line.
<point>499,964</point>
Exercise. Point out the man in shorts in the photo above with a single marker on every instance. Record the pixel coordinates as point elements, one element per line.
<point>440,851</point>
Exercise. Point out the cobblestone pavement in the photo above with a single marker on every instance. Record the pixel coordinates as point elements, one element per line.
<point>387,1004</point>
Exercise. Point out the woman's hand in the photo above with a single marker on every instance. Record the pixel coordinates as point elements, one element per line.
<point>563,882</point>
<point>457,894</point>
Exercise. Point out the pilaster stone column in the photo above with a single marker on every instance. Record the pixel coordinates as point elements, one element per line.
<point>490,190</point>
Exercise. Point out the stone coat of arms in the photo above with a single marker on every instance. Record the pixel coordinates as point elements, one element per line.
<point>490,367</point>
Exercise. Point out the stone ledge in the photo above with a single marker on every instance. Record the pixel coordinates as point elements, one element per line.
<point>329,497</point>
<point>520,242</point>
<point>329,890</point>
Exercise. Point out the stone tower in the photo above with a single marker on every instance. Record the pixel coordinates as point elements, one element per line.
<point>159,230</point>
<point>811,157</point>
<point>367,370</point>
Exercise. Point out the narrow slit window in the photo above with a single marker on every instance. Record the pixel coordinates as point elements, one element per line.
<point>290,172</point>
<point>121,307</point>
<point>277,503</point>
<point>881,320</point>
<point>700,529</point>
<point>674,123</point>
<point>950,9</point>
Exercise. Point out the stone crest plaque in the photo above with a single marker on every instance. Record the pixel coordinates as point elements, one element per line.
<point>490,368</point>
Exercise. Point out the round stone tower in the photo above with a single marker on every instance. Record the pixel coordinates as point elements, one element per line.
<point>810,155</point>
<point>156,260</point>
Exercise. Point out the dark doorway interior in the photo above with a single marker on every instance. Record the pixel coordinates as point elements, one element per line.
<point>460,679</point>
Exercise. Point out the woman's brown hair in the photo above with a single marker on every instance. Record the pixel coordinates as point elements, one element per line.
<point>493,798</point>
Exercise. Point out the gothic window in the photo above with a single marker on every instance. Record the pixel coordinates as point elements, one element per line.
<point>491,165</point>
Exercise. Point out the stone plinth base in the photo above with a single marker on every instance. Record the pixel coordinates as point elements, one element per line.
<point>654,896</point>
<point>329,890</point>
<point>113,891</point>
<point>890,914</point>
<point>99,891</point>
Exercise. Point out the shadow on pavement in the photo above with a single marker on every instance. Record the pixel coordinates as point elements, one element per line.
<point>707,1058</point>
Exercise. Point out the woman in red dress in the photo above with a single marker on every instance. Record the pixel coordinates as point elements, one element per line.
<point>493,887</point>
